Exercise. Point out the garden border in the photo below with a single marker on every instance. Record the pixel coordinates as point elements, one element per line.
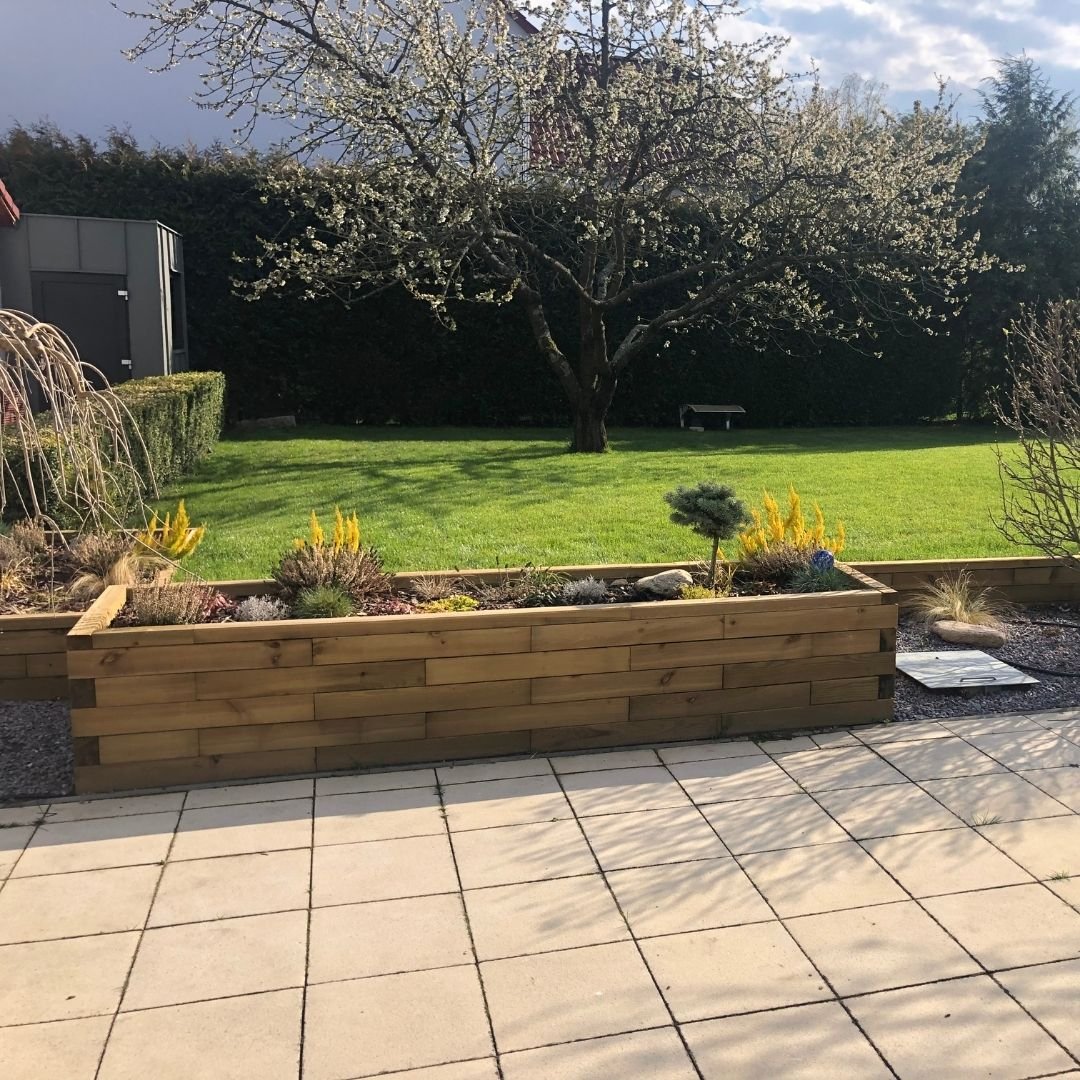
<point>158,706</point>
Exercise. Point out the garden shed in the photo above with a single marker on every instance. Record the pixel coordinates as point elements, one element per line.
<point>115,287</point>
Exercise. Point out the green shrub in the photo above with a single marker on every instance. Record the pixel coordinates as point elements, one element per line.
<point>711,510</point>
<point>812,580</point>
<point>323,602</point>
<point>455,602</point>
<point>178,417</point>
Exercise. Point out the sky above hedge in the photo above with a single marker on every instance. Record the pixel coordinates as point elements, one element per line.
<point>62,58</point>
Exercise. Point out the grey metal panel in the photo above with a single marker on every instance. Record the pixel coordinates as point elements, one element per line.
<point>15,290</point>
<point>102,246</point>
<point>147,312</point>
<point>54,242</point>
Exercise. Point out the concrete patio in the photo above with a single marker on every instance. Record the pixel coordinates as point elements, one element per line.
<point>899,901</point>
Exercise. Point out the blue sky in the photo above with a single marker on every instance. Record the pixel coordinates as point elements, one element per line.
<point>61,59</point>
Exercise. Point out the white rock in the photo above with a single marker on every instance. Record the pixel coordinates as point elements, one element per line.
<point>666,583</point>
<point>962,633</point>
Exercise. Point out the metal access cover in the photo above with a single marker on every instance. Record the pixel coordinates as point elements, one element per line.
<point>960,670</point>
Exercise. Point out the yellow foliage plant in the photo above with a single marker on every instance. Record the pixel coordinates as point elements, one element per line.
<point>345,535</point>
<point>172,538</point>
<point>770,528</point>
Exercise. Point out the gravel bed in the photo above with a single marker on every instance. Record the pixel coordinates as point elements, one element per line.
<point>35,750</point>
<point>1038,638</point>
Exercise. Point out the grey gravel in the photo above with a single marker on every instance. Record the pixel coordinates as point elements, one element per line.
<point>35,750</point>
<point>1031,644</point>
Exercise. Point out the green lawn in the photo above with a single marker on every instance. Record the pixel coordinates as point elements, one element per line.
<point>441,498</point>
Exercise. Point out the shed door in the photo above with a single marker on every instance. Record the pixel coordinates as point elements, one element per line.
<point>92,310</point>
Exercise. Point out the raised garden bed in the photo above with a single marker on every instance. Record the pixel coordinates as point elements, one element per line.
<point>168,705</point>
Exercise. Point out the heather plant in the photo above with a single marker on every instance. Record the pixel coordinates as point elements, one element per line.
<point>170,605</point>
<point>778,562</point>
<point>712,511</point>
<point>818,579</point>
<point>328,601</point>
<point>261,609</point>
<point>342,561</point>
<point>427,587</point>
<point>587,590</point>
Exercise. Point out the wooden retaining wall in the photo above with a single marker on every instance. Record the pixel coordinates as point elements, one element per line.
<point>33,656</point>
<point>169,705</point>
<point>1036,580</point>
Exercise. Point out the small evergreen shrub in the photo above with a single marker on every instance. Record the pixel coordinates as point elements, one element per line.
<point>815,580</point>
<point>777,563</point>
<point>330,601</point>
<point>696,592</point>
<point>261,609</point>
<point>588,590</point>
<point>454,602</point>
<point>711,510</point>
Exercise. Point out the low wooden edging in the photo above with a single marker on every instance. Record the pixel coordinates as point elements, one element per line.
<point>1032,580</point>
<point>173,705</point>
<point>33,655</point>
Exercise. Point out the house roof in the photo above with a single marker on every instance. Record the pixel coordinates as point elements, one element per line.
<point>9,212</point>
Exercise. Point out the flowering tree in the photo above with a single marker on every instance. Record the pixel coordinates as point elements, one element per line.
<point>625,154</point>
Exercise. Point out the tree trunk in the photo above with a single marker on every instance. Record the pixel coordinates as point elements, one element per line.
<point>596,386</point>
<point>590,432</point>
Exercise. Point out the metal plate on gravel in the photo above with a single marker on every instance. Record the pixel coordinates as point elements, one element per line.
<point>960,670</point>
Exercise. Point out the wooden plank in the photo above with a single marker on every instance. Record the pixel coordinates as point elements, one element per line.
<point>627,683</point>
<point>527,665</point>
<point>97,617</point>
<point>411,752</point>
<point>93,779</point>
<point>765,624</point>
<point>715,702</point>
<point>127,638</point>
<point>377,625</point>
<point>253,656</point>
<point>309,680</point>
<point>1032,575</point>
<point>40,689</point>
<point>524,717</point>
<point>86,751</point>
<point>369,647</point>
<point>343,732</point>
<point>830,691</point>
<point>839,642</point>
<point>59,621</point>
<point>14,667</point>
<point>729,651</point>
<point>789,602</point>
<point>421,699</point>
<point>121,720</point>
<point>1065,574</point>
<point>46,665</point>
<point>142,690</point>
<point>1041,594</point>
<point>769,673</point>
<point>809,716</point>
<point>638,632</point>
<point>151,746</point>
<point>551,740</point>
<point>25,642</point>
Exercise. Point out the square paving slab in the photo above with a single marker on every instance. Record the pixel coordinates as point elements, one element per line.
<point>896,900</point>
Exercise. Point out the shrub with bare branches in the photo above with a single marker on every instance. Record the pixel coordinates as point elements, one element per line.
<point>74,459</point>
<point>1040,477</point>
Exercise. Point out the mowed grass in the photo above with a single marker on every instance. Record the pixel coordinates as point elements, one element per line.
<point>446,498</point>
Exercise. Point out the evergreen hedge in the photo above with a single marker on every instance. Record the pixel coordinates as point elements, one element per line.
<point>388,360</point>
<point>178,419</point>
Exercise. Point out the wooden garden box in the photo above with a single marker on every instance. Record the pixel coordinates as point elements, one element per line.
<point>175,705</point>
<point>33,655</point>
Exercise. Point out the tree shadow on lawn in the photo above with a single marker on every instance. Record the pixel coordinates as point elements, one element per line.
<point>553,442</point>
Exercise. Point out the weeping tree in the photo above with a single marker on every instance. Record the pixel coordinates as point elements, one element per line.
<point>1040,474</point>
<point>68,449</point>
<point>625,155</point>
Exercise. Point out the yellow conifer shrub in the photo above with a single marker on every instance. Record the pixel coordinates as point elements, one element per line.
<point>772,529</point>
<point>174,538</point>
